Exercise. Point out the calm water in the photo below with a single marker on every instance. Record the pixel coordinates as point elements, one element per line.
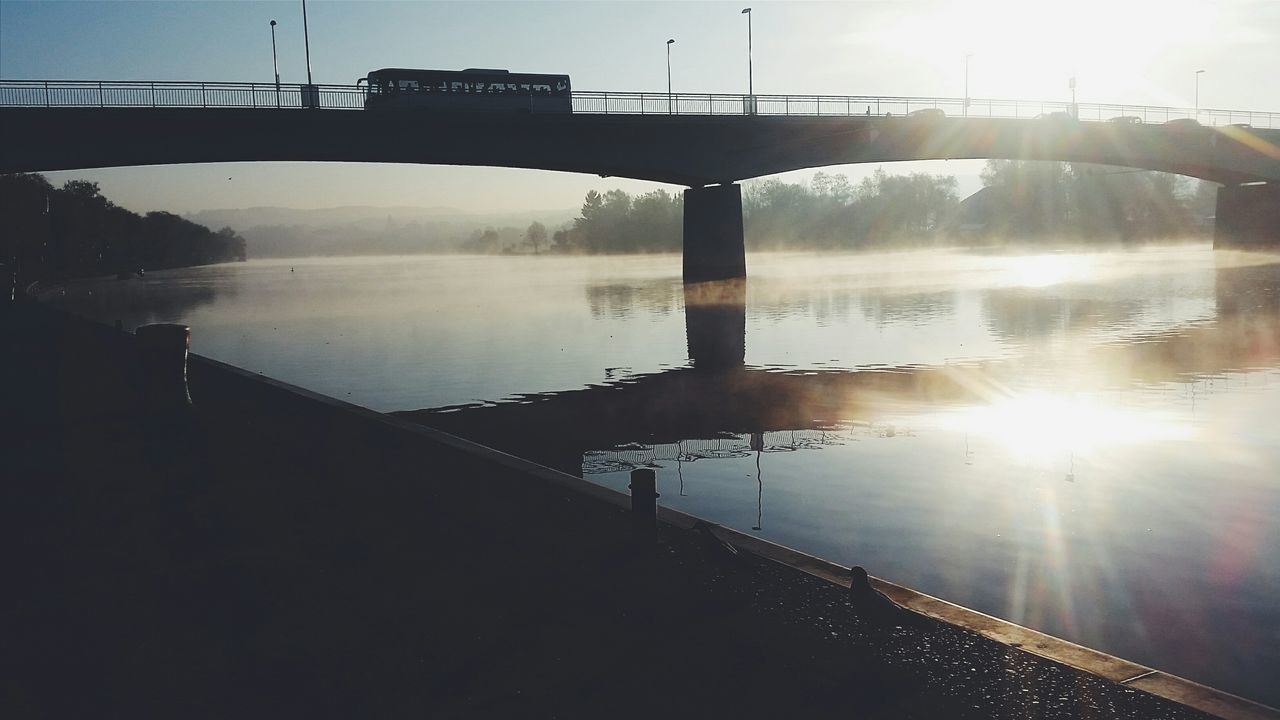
<point>1082,443</point>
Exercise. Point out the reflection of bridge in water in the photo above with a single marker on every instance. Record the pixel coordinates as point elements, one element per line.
<point>719,407</point>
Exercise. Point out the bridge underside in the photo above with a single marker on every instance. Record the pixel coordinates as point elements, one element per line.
<point>681,149</point>
<point>696,151</point>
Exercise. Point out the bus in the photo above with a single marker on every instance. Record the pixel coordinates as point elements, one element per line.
<point>474,89</point>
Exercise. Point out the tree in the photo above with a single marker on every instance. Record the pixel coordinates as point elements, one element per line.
<point>536,236</point>
<point>75,231</point>
<point>563,241</point>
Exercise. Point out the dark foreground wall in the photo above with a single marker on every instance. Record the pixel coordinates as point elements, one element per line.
<point>1248,216</point>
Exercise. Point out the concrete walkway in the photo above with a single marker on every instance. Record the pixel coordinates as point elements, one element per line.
<point>273,554</point>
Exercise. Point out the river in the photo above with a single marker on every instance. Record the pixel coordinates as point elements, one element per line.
<point>1082,442</point>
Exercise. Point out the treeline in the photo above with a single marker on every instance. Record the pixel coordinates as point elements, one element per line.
<point>830,213</point>
<point>1083,203</point>
<point>73,231</point>
<point>1020,201</point>
<point>826,213</point>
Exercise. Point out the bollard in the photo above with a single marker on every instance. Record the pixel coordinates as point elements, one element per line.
<point>644,497</point>
<point>162,364</point>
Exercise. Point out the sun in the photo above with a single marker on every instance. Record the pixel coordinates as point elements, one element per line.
<point>1029,49</point>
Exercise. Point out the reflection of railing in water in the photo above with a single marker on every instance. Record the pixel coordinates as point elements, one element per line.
<point>635,455</point>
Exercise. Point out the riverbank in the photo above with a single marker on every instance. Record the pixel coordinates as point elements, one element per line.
<point>277,552</point>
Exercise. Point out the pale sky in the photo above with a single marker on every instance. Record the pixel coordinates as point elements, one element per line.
<point>1122,51</point>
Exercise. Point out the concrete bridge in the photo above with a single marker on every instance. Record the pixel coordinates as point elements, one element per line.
<point>704,146</point>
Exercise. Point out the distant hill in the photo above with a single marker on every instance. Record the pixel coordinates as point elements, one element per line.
<point>367,230</point>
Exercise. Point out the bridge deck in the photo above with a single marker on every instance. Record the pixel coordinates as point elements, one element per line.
<point>691,150</point>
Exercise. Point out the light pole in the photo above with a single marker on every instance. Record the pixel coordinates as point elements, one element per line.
<point>669,44</point>
<point>1198,93</point>
<point>310,93</point>
<point>275,65</point>
<point>306,40</point>
<point>750,80</point>
<point>966,83</point>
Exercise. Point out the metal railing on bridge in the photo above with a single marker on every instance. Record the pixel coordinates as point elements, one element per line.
<point>70,93</point>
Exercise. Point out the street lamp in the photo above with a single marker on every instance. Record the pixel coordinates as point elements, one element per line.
<point>750,80</point>
<point>1198,93</point>
<point>306,39</point>
<point>669,44</point>
<point>310,94</point>
<point>966,83</point>
<point>275,65</point>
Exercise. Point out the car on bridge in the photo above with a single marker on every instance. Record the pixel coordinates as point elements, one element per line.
<point>927,114</point>
<point>1126,120</point>
<point>1184,124</point>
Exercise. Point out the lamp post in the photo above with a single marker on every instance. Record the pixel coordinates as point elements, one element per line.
<point>1198,72</point>
<point>275,65</point>
<point>670,42</point>
<point>966,83</point>
<point>750,79</point>
<point>306,40</point>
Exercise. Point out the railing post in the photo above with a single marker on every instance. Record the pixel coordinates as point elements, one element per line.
<point>644,498</point>
<point>153,94</point>
<point>46,93</point>
<point>203,101</point>
<point>100,103</point>
<point>162,364</point>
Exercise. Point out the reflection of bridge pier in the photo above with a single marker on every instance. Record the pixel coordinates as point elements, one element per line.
<point>715,317</point>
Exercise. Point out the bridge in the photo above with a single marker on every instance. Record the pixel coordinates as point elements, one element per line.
<point>707,142</point>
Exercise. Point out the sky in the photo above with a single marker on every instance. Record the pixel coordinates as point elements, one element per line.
<point>1130,51</point>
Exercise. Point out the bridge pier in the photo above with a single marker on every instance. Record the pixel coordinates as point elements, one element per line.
<point>1248,216</point>
<point>713,243</point>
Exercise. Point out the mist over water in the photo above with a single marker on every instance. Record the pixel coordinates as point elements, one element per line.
<point>1080,442</point>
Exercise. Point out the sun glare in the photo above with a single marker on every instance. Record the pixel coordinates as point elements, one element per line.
<point>1029,48</point>
<point>1045,270</point>
<point>1039,425</point>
